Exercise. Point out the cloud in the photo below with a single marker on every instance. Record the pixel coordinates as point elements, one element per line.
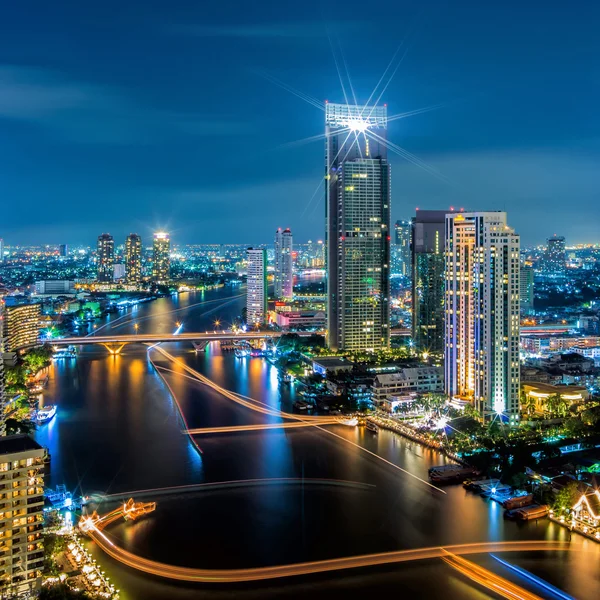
<point>537,188</point>
<point>84,113</point>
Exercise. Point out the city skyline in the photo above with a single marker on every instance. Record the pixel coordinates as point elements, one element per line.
<point>489,139</point>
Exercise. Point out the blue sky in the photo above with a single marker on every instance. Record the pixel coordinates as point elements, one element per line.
<point>132,116</point>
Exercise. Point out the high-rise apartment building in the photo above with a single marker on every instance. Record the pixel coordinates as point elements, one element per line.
<point>256,289</point>
<point>402,233</point>
<point>482,312</point>
<point>1,250</point>
<point>555,258</point>
<point>133,259</point>
<point>21,326</point>
<point>526,290</point>
<point>357,204</point>
<point>2,375</point>
<point>161,257</point>
<point>21,516</point>
<point>428,283</point>
<point>284,274</point>
<point>106,257</point>
<point>63,250</point>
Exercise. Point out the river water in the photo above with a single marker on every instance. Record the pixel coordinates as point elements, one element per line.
<point>118,429</point>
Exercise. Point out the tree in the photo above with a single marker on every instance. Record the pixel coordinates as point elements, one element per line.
<point>528,403</point>
<point>61,591</point>
<point>567,497</point>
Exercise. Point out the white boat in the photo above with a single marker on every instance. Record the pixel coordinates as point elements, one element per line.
<point>45,413</point>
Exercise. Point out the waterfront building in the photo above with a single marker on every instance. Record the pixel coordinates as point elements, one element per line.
<point>2,378</point>
<point>161,257</point>
<point>402,238</point>
<point>357,205</point>
<point>526,290</point>
<point>284,275</point>
<point>482,312</point>
<point>256,289</point>
<point>428,285</point>
<point>555,258</point>
<point>133,259</point>
<point>105,251</point>
<point>55,287</point>
<point>419,380</point>
<point>21,326</point>
<point>21,516</point>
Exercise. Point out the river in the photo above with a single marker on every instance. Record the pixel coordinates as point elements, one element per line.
<point>118,429</point>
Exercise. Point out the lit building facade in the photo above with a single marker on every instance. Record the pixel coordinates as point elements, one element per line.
<point>402,237</point>
<point>555,258</point>
<point>358,227</point>
<point>284,264</point>
<point>526,290</point>
<point>482,312</point>
<point>161,257</point>
<point>428,283</point>
<point>21,515</point>
<point>21,326</point>
<point>105,251</point>
<point>256,289</point>
<point>133,259</point>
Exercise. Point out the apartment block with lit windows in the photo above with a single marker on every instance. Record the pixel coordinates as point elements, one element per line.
<point>21,327</point>
<point>482,313</point>
<point>21,520</point>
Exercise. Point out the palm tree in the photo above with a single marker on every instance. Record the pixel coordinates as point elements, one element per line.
<point>528,402</point>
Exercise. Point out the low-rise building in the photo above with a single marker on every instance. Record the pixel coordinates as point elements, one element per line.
<point>569,363</point>
<point>540,392</point>
<point>416,379</point>
<point>331,365</point>
<point>300,320</point>
<point>21,520</point>
<point>55,287</point>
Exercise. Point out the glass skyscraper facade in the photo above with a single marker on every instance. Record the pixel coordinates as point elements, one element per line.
<point>555,258</point>
<point>357,205</point>
<point>402,235</point>
<point>428,284</point>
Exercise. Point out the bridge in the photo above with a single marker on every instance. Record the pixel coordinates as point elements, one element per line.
<point>115,343</point>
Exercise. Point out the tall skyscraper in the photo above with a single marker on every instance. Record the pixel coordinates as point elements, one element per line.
<point>428,283</point>
<point>256,289</point>
<point>133,259</point>
<point>482,312</point>
<point>555,258</point>
<point>2,374</point>
<point>357,204</point>
<point>284,275</point>
<point>526,290</point>
<point>402,240</point>
<point>63,250</point>
<point>105,257</point>
<point>22,522</point>
<point>161,261</point>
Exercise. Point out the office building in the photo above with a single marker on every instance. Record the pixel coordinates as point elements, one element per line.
<point>21,516</point>
<point>555,258</point>
<point>428,284</point>
<point>284,274</point>
<point>21,326</point>
<point>55,287</point>
<point>105,258</point>
<point>63,250</point>
<point>482,312</point>
<point>526,290</point>
<point>402,233</point>
<point>161,257</point>
<point>1,250</point>
<point>133,259</point>
<point>419,380</point>
<point>256,289</point>
<point>357,205</point>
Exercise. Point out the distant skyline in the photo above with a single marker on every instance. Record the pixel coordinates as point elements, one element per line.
<point>165,116</point>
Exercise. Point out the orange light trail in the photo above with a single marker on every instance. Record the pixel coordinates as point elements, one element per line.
<point>337,564</point>
<point>488,579</point>
<point>259,427</point>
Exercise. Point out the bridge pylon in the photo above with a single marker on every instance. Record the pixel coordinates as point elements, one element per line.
<point>114,348</point>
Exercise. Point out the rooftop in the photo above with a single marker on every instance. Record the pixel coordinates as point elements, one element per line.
<point>332,361</point>
<point>17,443</point>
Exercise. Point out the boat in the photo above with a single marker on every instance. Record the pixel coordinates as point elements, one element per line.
<point>533,511</point>
<point>299,405</point>
<point>45,413</point>
<point>518,502</point>
<point>372,427</point>
<point>451,473</point>
<point>353,422</point>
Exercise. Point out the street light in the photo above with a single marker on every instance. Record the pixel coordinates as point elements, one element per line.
<point>136,327</point>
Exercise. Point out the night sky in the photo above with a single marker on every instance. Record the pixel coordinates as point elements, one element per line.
<point>138,115</point>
